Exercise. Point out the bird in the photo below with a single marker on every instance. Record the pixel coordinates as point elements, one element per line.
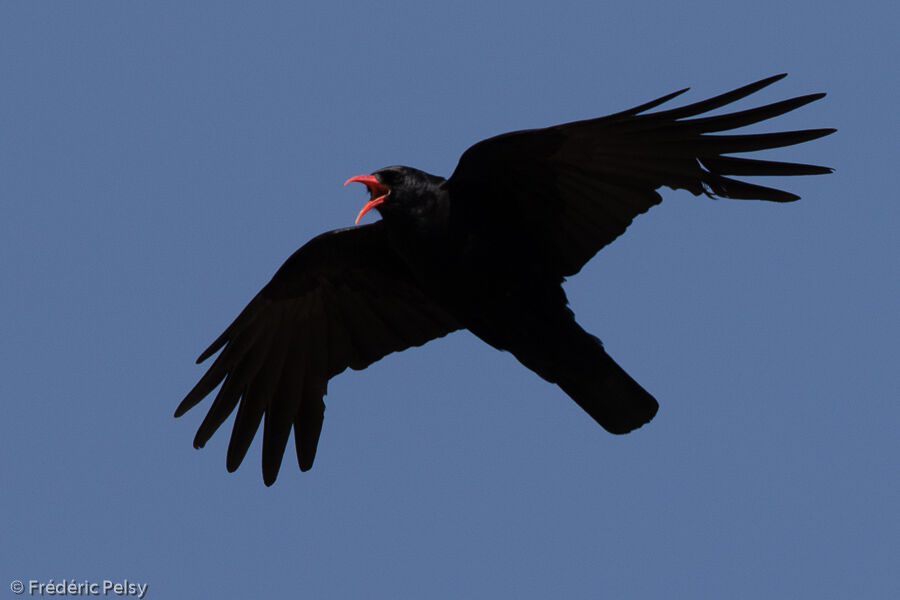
<point>488,250</point>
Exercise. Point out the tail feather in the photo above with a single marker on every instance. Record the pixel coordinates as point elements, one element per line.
<point>606,392</point>
<point>555,347</point>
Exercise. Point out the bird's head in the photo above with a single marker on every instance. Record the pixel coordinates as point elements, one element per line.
<point>396,190</point>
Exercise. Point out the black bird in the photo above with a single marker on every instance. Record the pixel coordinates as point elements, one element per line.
<point>486,250</point>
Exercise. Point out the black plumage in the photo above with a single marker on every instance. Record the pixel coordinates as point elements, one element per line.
<point>485,250</point>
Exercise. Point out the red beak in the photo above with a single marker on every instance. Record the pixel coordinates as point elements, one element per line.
<point>378,190</point>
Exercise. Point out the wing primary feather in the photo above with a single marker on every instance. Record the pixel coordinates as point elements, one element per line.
<point>741,190</point>
<point>644,107</point>
<point>246,423</point>
<point>733,120</point>
<point>233,357</point>
<point>307,421</point>
<point>222,406</point>
<point>729,144</point>
<point>237,382</point>
<point>715,102</point>
<point>281,411</point>
<point>258,394</point>
<point>213,377</point>
<point>308,427</point>
<point>732,165</point>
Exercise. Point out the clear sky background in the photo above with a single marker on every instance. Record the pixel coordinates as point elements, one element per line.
<point>158,162</point>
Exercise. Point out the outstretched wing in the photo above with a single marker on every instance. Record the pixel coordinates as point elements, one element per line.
<point>342,300</point>
<point>566,191</point>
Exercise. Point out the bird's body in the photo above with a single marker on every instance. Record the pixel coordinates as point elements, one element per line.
<point>487,250</point>
<point>497,284</point>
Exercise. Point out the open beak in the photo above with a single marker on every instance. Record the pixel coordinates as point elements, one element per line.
<point>378,190</point>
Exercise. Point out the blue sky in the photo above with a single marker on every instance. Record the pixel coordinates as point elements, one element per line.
<point>159,161</point>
